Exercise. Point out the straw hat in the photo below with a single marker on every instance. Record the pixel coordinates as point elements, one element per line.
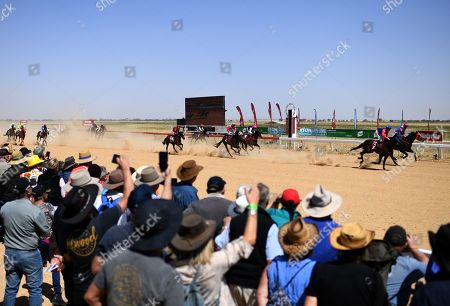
<point>350,236</point>
<point>85,157</point>
<point>321,202</point>
<point>17,158</point>
<point>297,237</point>
<point>148,176</point>
<point>188,170</point>
<point>34,160</point>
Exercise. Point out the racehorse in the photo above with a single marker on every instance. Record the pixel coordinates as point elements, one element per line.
<point>41,135</point>
<point>20,134</point>
<point>234,141</point>
<point>251,140</point>
<point>10,133</point>
<point>174,140</point>
<point>93,129</point>
<point>199,135</point>
<point>100,132</point>
<point>386,150</point>
<point>404,144</point>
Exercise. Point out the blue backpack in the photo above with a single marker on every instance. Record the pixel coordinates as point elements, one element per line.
<point>107,201</point>
<point>192,295</point>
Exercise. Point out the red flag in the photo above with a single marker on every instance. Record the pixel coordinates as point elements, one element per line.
<point>279,110</point>
<point>378,119</point>
<point>270,111</point>
<point>241,120</point>
<point>255,121</point>
<point>333,121</point>
<point>298,118</point>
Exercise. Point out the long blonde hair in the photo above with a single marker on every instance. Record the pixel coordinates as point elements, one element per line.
<point>201,256</point>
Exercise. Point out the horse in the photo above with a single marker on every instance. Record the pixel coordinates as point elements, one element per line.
<point>41,135</point>
<point>251,140</point>
<point>100,132</point>
<point>20,134</point>
<point>10,133</point>
<point>404,144</point>
<point>93,129</point>
<point>386,150</point>
<point>174,140</point>
<point>234,141</point>
<point>199,135</point>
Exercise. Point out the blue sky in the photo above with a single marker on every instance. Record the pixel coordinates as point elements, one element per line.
<point>82,48</point>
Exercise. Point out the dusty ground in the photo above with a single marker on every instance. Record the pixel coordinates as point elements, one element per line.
<point>414,194</point>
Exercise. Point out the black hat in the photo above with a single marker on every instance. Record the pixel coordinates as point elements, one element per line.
<point>140,194</point>
<point>22,185</point>
<point>157,222</point>
<point>194,233</point>
<point>395,236</point>
<point>440,244</point>
<point>25,151</point>
<point>38,191</point>
<point>69,162</point>
<point>215,184</point>
<point>95,171</point>
<point>79,203</point>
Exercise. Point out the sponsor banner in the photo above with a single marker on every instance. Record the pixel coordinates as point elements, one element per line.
<point>350,133</point>
<point>432,135</point>
<point>88,122</point>
<point>24,122</point>
<point>312,132</point>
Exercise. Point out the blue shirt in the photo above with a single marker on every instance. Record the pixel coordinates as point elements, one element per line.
<point>184,194</point>
<point>281,271</point>
<point>402,268</point>
<point>281,216</point>
<point>323,252</point>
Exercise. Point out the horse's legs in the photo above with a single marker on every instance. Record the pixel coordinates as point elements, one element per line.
<point>226,147</point>
<point>173,145</point>
<point>259,148</point>
<point>384,162</point>
<point>362,157</point>
<point>379,159</point>
<point>393,158</point>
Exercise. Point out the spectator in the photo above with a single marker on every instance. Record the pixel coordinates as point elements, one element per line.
<point>95,171</point>
<point>84,160</point>
<point>288,201</point>
<point>51,182</point>
<point>39,151</point>
<point>290,272</point>
<point>214,206</point>
<point>23,224</point>
<point>139,276</point>
<point>240,204</point>
<point>10,177</point>
<point>112,190</point>
<point>82,178</point>
<point>320,205</point>
<point>196,260</point>
<point>79,228</point>
<point>243,278</point>
<point>68,166</point>
<point>348,281</point>
<point>407,269</point>
<point>34,170</point>
<point>183,192</point>
<point>149,176</point>
<point>436,292</point>
<point>39,198</point>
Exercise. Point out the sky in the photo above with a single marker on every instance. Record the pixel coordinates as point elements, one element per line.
<point>68,59</point>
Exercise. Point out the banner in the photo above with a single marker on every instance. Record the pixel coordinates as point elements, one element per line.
<point>241,119</point>
<point>432,135</point>
<point>255,121</point>
<point>402,116</point>
<point>279,110</point>
<point>270,111</point>
<point>333,121</point>
<point>378,119</point>
<point>88,122</point>
<point>298,118</point>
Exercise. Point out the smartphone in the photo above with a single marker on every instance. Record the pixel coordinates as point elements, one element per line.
<point>163,157</point>
<point>114,159</point>
<point>47,155</point>
<point>174,180</point>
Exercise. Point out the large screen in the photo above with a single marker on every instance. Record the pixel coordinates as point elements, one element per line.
<point>205,110</point>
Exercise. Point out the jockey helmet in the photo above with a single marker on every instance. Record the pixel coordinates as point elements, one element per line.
<point>233,125</point>
<point>388,127</point>
<point>405,124</point>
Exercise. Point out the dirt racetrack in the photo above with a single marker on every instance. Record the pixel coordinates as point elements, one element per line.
<point>414,194</point>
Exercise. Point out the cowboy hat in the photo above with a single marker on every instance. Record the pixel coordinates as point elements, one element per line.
<point>159,220</point>
<point>81,178</point>
<point>115,179</point>
<point>350,236</point>
<point>194,233</point>
<point>34,161</point>
<point>321,203</point>
<point>440,244</point>
<point>78,204</point>
<point>85,157</point>
<point>188,170</point>
<point>148,176</point>
<point>297,238</point>
<point>18,158</point>
<point>69,162</point>
<point>138,172</point>
<point>39,151</point>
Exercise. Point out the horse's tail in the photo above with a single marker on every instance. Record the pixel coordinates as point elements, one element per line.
<point>358,147</point>
<point>164,141</point>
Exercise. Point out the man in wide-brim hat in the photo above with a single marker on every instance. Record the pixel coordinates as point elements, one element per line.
<point>184,193</point>
<point>18,158</point>
<point>147,175</point>
<point>320,205</point>
<point>81,178</point>
<point>85,158</point>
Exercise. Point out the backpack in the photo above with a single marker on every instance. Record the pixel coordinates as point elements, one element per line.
<point>107,201</point>
<point>280,297</point>
<point>192,295</point>
<point>380,256</point>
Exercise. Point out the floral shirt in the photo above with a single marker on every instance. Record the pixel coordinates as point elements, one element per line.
<point>49,212</point>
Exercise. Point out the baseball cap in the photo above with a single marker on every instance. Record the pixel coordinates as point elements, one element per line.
<point>395,236</point>
<point>215,184</point>
<point>290,195</point>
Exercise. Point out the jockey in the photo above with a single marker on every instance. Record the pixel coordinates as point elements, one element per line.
<point>175,130</point>
<point>251,129</point>
<point>231,129</point>
<point>201,128</point>
<point>400,131</point>
<point>13,126</point>
<point>44,129</point>
<point>21,126</point>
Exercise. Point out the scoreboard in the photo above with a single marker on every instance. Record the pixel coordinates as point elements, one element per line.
<point>205,110</point>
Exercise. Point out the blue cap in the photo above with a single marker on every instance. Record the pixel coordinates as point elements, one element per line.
<point>389,127</point>
<point>139,195</point>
